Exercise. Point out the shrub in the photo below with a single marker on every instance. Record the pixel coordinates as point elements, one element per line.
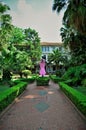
<point>84,83</point>
<point>10,94</point>
<point>74,75</point>
<point>76,97</point>
<point>42,81</point>
<point>60,72</point>
<point>26,73</point>
<point>55,78</point>
<point>28,80</point>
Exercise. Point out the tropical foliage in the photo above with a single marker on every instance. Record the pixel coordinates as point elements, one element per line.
<point>73,31</point>
<point>60,60</point>
<point>19,51</point>
<point>73,35</point>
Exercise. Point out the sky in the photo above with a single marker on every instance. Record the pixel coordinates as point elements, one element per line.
<point>38,15</point>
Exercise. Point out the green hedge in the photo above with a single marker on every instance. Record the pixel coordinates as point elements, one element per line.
<point>10,94</point>
<point>55,79</point>
<point>76,97</point>
<point>28,80</point>
<point>42,81</point>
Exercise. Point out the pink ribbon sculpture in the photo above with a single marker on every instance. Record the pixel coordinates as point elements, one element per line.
<point>42,67</point>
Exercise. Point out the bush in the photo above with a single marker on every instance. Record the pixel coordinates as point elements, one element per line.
<point>60,72</point>
<point>84,83</point>
<point>76,97</point>
<point>42,81</point>
<point>55,78</point>
<point>74,75</point>
<point>10,94</point>
<point>28,80</point>
<point>26,73</point>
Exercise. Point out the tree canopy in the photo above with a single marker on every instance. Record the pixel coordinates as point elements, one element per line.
<point>19,48</point>
<point>73,31</point>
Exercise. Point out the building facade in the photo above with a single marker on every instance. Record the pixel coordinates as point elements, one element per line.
<point>47,48</point>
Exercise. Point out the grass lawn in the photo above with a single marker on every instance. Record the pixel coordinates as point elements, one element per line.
<point>3,88</point>
<point>82,89</point>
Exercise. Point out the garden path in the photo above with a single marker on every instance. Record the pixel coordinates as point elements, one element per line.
<point>42,108</point>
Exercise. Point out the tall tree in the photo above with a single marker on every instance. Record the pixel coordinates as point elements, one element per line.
<point>17,36</point>
<point>75,13</point>
<point>5,24</point>
<point>74,31</point>
<point>5,31</point>
<point>34,45</point>
<point>57,58</point>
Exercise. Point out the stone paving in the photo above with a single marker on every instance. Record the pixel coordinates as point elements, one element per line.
<point>42,108</point>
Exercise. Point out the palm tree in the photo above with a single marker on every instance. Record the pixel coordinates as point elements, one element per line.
<point>60,60</point>
<point>75,13</point>
<point>74,31</point>
<point>76,43</point>
<point>56,57</point>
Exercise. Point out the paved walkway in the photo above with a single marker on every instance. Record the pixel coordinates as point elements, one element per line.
<point>41,108</point>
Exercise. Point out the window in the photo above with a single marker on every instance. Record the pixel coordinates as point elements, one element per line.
<point>43,48</point>
<point>47,48</point>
